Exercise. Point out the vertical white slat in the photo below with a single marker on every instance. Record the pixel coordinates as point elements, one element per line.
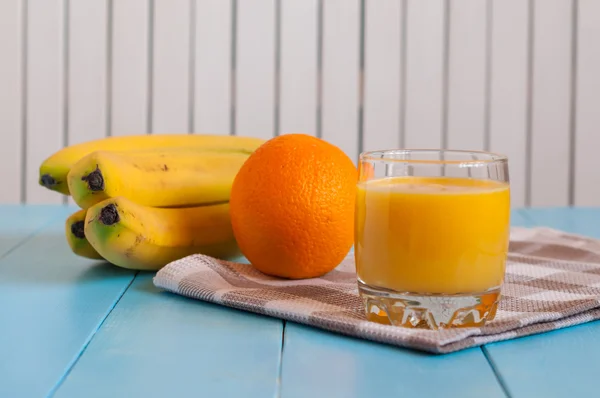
<point>550,129</point>
<point>171,67</point>
<point>341,74</point>
<point>508,102</point>
<point>587,138</point>
<point>298,49</point>
<point>424,73</point>
<point>212,93</point>
<point>383,71</point>
<point>87,70</point>
<point>129,71</point>
<point>45,92</point>
<point>467,75</point>
<point>11,41</point>
<point>255,68</point>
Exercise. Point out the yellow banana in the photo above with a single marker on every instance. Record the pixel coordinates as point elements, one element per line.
<point>139,237</point>
<point>172,177</point>
<point>74,229</point>
<point>53,171</point>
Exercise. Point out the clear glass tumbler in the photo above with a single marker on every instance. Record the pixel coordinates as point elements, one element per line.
<point>431,236</point>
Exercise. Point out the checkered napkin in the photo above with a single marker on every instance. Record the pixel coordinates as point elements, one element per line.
<point>552,282</point>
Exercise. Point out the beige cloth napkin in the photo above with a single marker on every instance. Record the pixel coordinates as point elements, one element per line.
<point>552,281</point>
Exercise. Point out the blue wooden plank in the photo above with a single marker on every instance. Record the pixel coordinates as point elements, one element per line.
<point>157,344</point>
<point>321,364</point>
<point>19,222</point>
<point>51,303</point>
<point>561,363</point>
<point>578,220</point>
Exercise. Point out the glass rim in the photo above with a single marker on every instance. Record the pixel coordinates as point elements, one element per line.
<point>387,156</point>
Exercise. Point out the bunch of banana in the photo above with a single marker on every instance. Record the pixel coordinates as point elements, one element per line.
<point>54,170</point>
<point>148,200</point>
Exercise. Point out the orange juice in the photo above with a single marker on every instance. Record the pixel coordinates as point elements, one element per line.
<point>432,235</point>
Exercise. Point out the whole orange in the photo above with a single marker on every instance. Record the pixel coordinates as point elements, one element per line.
<point>292,206</point>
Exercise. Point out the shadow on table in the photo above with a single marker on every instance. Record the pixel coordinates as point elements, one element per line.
<point>47,259</point>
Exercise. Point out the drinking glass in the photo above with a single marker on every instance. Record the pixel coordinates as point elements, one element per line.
<point>431,236</point>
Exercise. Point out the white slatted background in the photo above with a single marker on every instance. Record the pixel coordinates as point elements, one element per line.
<point>514,76</point>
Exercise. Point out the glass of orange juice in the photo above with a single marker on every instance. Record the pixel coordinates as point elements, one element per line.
<point>431,236</point>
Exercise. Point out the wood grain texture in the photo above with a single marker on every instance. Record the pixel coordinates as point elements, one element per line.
<point>516,77</point>
<point>298,75</point>
<point>11,110</point>
<point>56,301</point>
<point>551,107</point>
<point>587,161</point>
<point>557,364</point>
<point>212,67</point>
<point>341,45</point>
<point>171,67</point>
<point>45,92</point>
<point>156,344</point>
<point>51,303</point>
<point>339,366</point>
<point>467,75</point>
<point>383,72</point>
<point>130,67</point>
<point>424,74</point>
<point>509,90</point>
<point>255,68</point>
<point>21,222</point>
<point>560,363</point>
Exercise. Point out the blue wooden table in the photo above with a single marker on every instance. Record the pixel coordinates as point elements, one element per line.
<point>73,328</point>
